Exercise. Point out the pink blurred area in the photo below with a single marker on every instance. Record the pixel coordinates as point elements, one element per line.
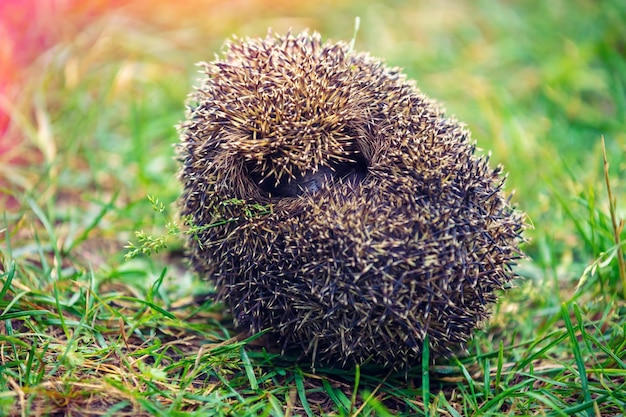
<point>27,29</point>
<point>47,46</point>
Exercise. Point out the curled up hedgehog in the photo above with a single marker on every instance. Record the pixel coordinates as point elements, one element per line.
<point>334,204</point>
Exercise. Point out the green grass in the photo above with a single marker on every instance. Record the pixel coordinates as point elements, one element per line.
<point>87,330</point>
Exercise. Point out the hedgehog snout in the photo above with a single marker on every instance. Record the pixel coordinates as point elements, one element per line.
<point>313,181</point>
<point>309,183</point>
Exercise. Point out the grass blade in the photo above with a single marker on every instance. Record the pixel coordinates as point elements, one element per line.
<point>298,377</point>
<point>426,375</point>
<point>617,228</point>
<point>582,371</point>
<point>247,365</point>
<point>357,378</point>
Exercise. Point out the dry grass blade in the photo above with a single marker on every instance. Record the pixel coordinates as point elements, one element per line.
<point>618,224</point>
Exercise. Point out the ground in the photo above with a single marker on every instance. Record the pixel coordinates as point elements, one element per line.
<point>90,93</point>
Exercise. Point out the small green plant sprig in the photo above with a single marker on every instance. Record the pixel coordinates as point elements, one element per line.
<point>148,244</point>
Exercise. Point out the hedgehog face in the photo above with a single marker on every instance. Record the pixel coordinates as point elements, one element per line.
<point>381,226</point>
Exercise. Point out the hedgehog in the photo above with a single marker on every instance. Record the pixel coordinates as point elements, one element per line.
<point>335,206</point>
